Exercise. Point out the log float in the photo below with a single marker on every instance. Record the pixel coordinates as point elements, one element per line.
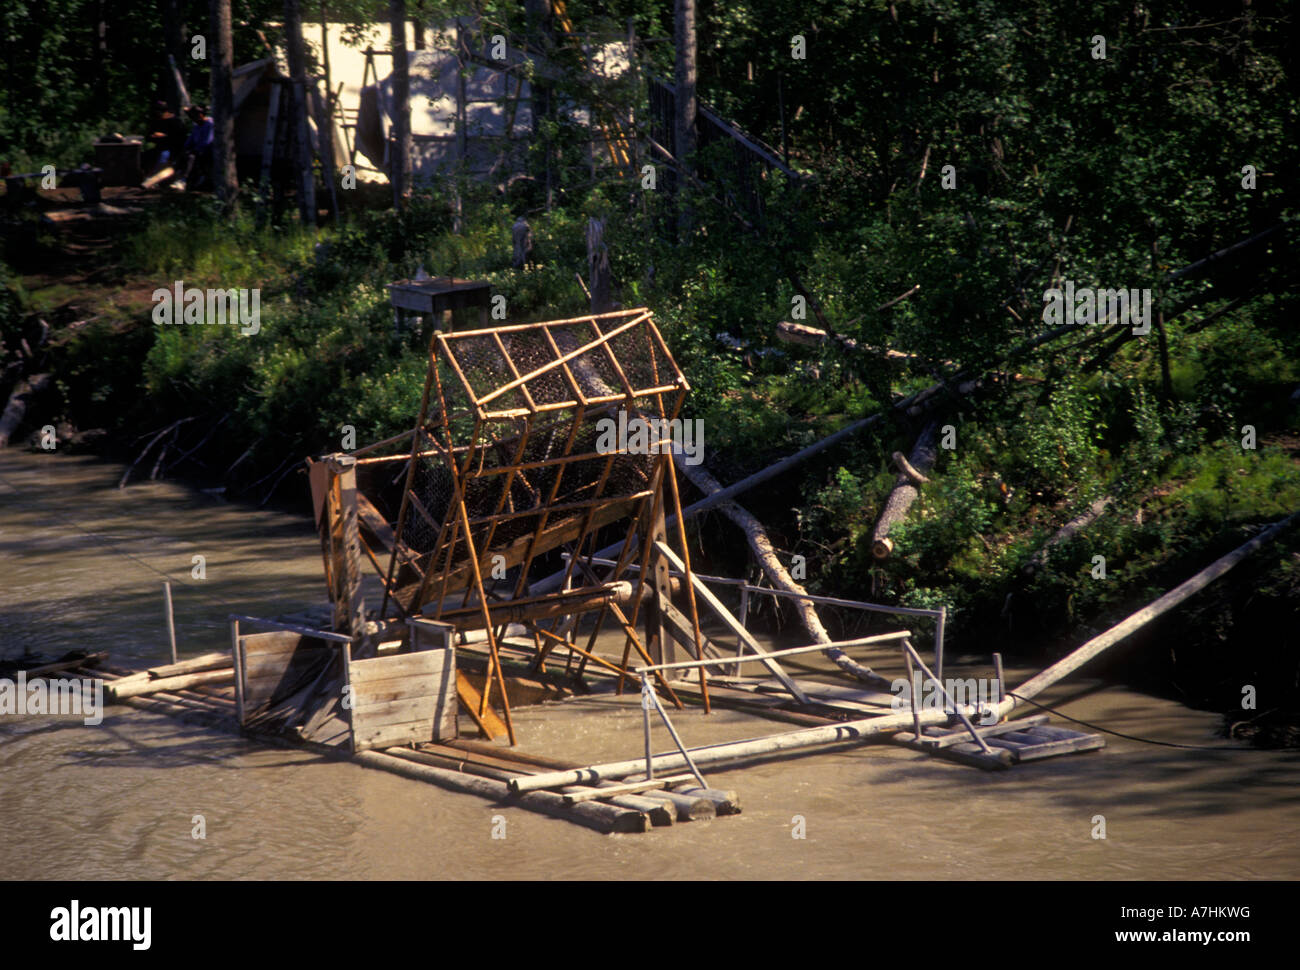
<point>596,815</point>
<point>119,691</point>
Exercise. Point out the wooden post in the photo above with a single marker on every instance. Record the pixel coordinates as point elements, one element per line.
<point>349,605</point>
<point>171,620</point>
<point>646,692</point>
<point>659,643</point>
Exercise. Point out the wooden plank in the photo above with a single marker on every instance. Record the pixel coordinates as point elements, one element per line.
<point>396,689</point>
<point>405,684</point>
<point>628,788</point>
<point>272,677</point>
<point>1050,749</point>
<point>946,737</point>
<point>366,716</point>
<point>269,139</point>
<point>89,661</point>
<point>1013,746</point>
<point>967,752</point>
<point>426,664</point>
<point>1019,724</point>
<point>388,735</point>
<point>488,722</point>
<point>269,643</point>
<point>373,522</point>
<point>553,536</point>
<point>261,666</point>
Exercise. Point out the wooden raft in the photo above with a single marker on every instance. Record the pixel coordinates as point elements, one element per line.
<point>1013,742</point>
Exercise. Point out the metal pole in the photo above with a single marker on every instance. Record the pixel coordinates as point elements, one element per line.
<point>645,712</point>
<point>912,692</point>
<point>171,622</point>
<point>678,741</point>
<point>744,620</point>
<point>938,642</point>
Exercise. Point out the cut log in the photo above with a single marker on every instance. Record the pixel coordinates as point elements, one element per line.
<point>686,807</point>
<point>725,801</point>
<point>17,406</point>
<point>208,661</point>
<point>905,490</point>
<point>765,553</point>
<point>119,691</point>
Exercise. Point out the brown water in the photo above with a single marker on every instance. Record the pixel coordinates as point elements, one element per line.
<point>81,565</point>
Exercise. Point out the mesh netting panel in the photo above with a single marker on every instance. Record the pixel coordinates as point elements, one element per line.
<point>524,443</point>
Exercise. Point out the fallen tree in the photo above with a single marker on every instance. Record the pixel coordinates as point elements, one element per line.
<point>1075,525</point>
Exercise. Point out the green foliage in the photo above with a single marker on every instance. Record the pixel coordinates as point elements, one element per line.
<point>1057,444</point>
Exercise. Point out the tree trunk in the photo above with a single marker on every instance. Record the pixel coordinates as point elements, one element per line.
<point>598,266</point>
<point>14,411</point>
<point>302,134</point>
<point>684,76</point>
<point>174,40</point>
<point>325,119</point>
<point>906,490</point>
<point>417,25</point>
<point>225,180</point>
<point>1075,525</point>
<point>765,553</point>
<point>399,162</point>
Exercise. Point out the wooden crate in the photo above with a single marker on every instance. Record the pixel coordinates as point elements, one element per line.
<point>269,667</point>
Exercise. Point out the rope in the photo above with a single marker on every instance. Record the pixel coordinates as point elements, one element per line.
<point>1126,737</point>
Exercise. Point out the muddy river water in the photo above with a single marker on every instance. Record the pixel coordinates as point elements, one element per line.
<point>82,564</point>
